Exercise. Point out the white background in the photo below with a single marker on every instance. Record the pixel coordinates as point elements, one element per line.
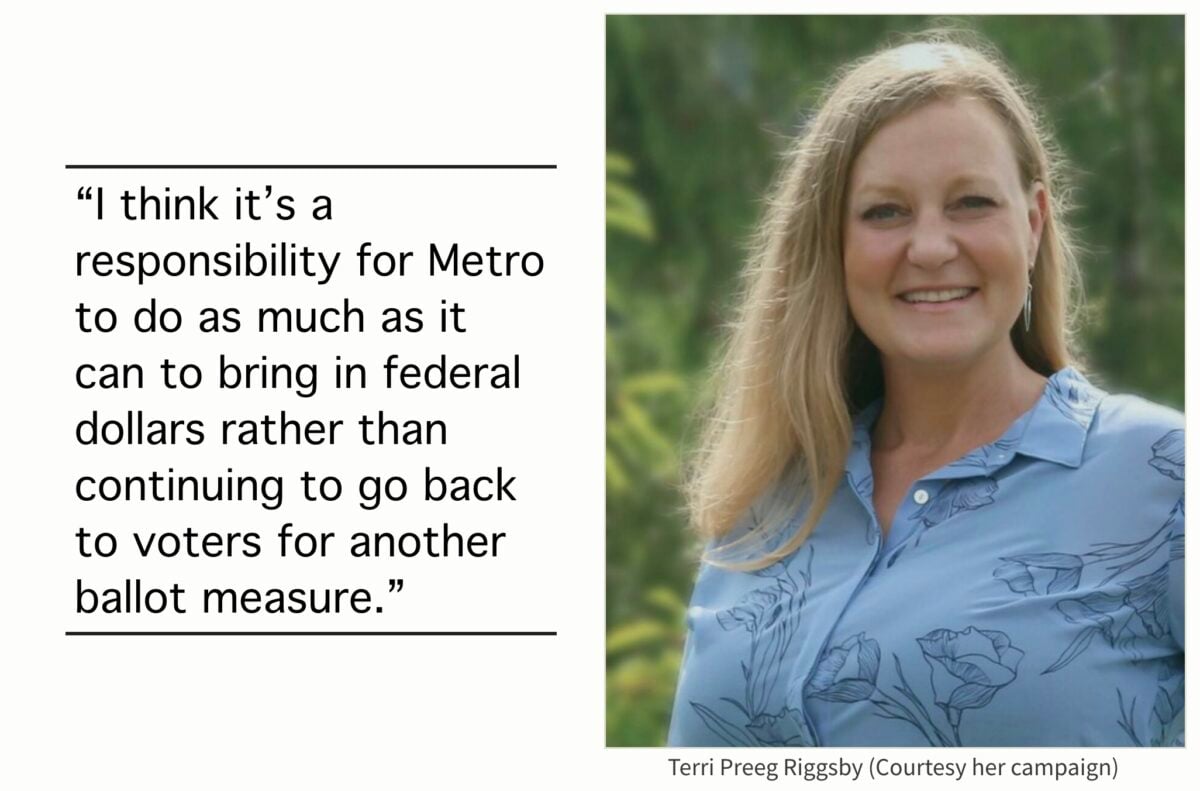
<point>324,83</point>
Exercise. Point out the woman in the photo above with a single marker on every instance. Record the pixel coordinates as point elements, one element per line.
<point>926,527</point>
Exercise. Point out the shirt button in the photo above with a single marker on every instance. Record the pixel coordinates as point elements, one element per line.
<point>920,496</point>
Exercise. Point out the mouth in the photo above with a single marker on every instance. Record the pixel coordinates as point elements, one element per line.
<point>939,296</point>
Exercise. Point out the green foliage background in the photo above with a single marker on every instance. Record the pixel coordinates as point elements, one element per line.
<point>699,109</point>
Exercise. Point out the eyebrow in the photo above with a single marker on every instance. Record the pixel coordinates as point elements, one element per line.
<point>965,180</point>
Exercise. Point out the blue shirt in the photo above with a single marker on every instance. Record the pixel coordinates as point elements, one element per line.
<point>1029,593</point>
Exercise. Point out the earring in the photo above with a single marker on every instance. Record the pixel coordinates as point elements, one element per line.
<point>1028,302</point>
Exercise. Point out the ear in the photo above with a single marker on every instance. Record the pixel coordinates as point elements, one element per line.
<point>1039,210</point>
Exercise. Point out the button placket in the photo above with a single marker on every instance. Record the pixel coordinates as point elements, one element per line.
<point>823,621</point>
<point>903,529</point>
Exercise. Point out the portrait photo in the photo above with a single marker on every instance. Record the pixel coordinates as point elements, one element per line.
<point>895,379</point>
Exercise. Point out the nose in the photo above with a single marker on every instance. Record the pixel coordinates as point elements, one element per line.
<point>932,243</point>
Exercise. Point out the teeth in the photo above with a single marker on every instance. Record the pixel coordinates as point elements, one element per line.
<point>935,296</point>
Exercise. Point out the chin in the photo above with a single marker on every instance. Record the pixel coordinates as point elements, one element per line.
<point>938,354</point>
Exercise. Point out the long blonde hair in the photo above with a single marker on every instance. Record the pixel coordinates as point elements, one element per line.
<point>796,367</point>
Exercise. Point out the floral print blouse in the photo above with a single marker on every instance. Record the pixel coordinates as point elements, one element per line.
<point>1030,593</point>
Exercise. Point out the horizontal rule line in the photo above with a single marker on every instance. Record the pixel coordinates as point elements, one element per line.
<point>316,167</point>
<point>308,634</point>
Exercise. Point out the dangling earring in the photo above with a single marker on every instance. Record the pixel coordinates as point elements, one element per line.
<point>1029,301</point>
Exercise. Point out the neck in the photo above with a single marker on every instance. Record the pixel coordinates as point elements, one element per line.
<point>932,409</point>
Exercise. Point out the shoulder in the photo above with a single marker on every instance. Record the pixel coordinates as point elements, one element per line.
<point>1131,425</point>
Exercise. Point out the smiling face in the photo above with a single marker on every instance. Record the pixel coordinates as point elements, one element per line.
<point>939,235</point>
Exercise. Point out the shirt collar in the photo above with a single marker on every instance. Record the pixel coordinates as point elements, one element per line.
<point>1054,430</point>
<point>1058,426</point>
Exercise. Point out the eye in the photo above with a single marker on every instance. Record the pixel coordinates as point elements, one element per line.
<point>882,212</point>
<point>974,202</point>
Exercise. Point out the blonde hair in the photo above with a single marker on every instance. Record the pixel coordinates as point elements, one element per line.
<point>796,366</point>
